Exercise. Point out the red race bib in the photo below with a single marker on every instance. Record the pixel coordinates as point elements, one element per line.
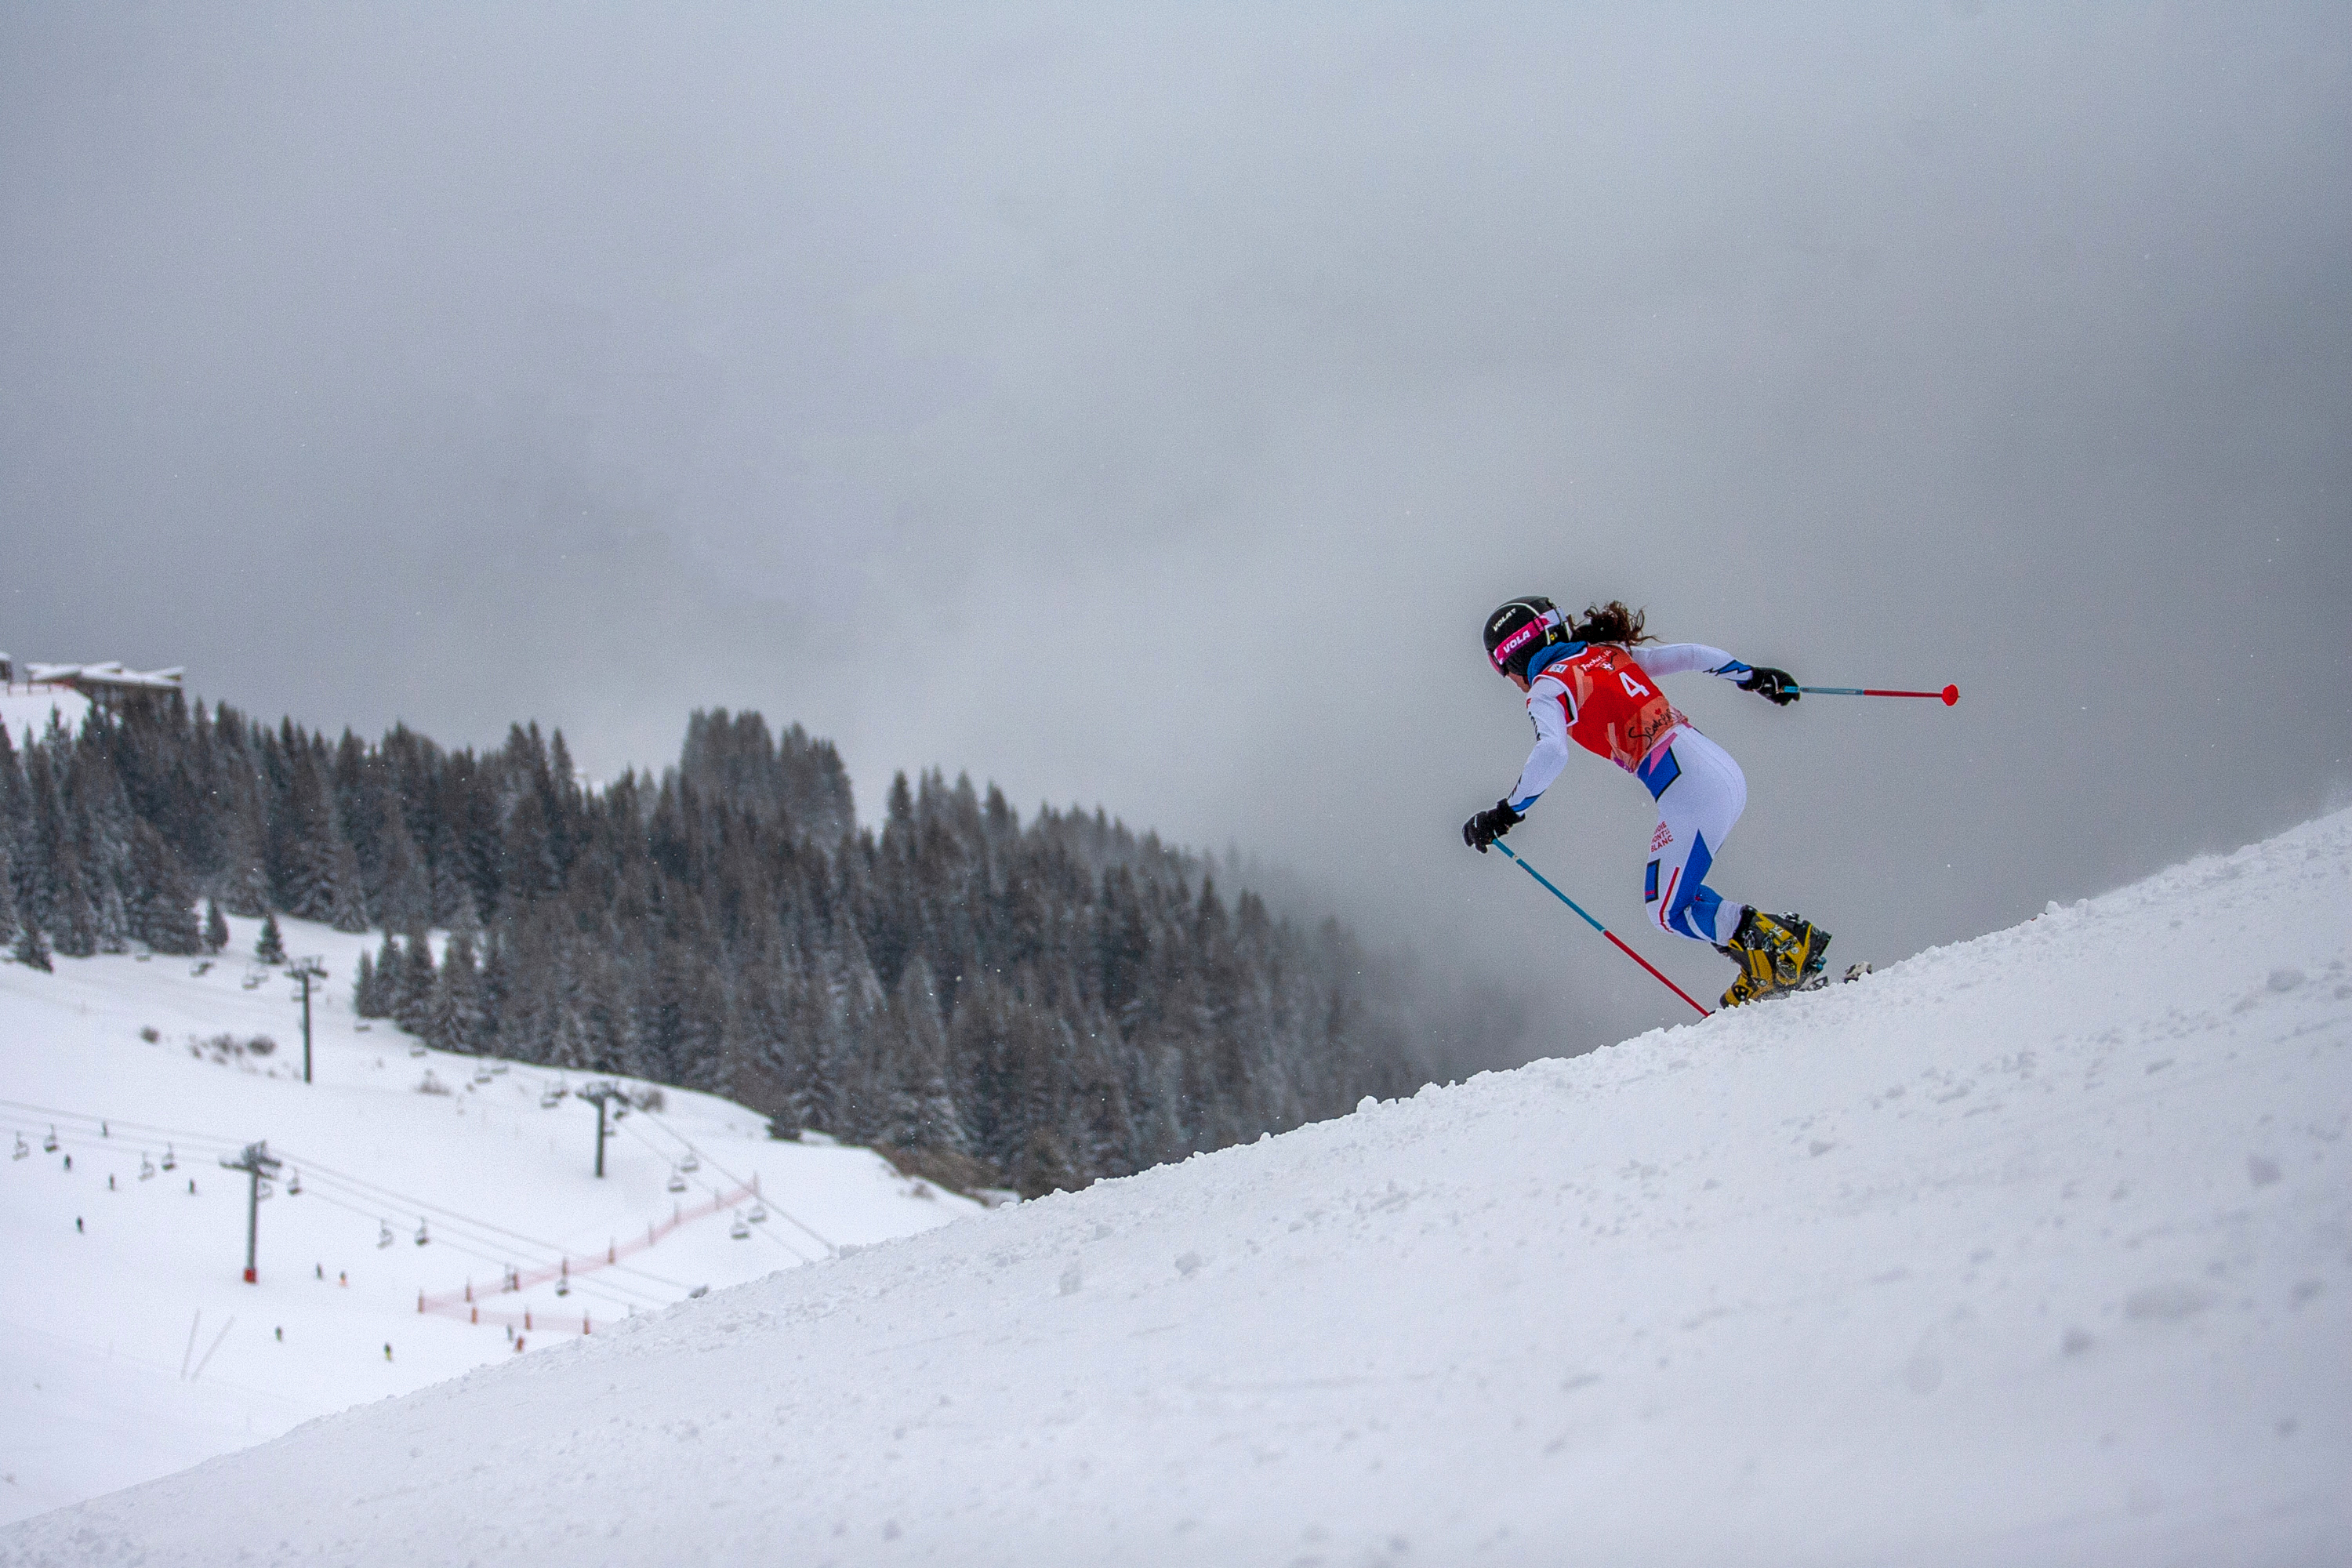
<point>1614,709</point>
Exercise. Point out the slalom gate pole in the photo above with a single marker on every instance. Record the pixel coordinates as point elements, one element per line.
<point>1604,931</point>
<point>1948,696</point>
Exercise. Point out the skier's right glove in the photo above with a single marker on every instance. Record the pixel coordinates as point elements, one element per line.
<point>1777,686</point>
<point>1489,825</point>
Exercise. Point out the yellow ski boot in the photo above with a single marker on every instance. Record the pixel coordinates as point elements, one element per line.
<point>1775,954</point>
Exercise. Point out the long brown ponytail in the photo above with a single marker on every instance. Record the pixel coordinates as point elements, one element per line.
<point>1612,622</point>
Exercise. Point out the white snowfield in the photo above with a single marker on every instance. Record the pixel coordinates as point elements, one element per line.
<point>2034,1249</point>
<point>26,709</point>
<point>130,1345</point>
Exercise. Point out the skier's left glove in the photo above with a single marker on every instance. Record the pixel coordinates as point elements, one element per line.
<point>1490,824</point>
<point>1777,686</point>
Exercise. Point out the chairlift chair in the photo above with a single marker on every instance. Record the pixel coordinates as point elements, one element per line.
<point>169,1162</point>
<point>481,1075</point>
<point>146,1167</point>
<point>421,1237</point>
<point>383,1236</point>
<point>294,1185</point>
<point>564,1287</point>
<point>550,1100</point>
<point>417,1049</point>
<point>758,1213</point>
<point>498,1066</point>
<point>738,1231</point>
<point>23,1148</point>
<point>689,1162</point>
<point>49,1144</point>
<point>265,1188</point>
<point>676,1182</point>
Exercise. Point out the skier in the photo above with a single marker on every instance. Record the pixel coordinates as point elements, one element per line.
<point>1594,683</point>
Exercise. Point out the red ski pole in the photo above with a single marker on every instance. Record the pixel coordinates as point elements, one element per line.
<point>1949,695</point>
<point>1603,930</point>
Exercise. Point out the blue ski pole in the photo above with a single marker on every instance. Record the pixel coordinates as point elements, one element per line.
<point>1603,930</point>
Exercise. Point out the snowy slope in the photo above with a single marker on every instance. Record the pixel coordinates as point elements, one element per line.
<point>101,1326</point>
<point>2036,1249</point>
<point>26,711</point>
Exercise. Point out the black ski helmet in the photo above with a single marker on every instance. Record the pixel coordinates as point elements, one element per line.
<point>1518,629</point>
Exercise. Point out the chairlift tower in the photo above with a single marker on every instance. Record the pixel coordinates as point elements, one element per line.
<point>302,971</point>
<point>257,1161</point>
<point>600,1093</point>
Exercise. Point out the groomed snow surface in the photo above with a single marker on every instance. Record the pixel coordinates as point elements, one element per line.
<point>130,1346</point>
<point>2034,1249</point>
<point>25,711</point>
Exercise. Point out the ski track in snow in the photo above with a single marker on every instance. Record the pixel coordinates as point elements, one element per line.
<point>2036,1249</point>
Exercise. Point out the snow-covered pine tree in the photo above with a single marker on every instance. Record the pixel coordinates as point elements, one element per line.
<point>271,948</point>
<point>1099,1129</point>
<point>301,857</point>
<point>76,922</point>
<point>97,823</point>
<point>346,900</point>
<point>40,843</point>
<point>405,900</point>
<point>31,948</point>
<point>162,904</point>
<point>497,989</point>
<point>981,1051</point>
<point>412,1002</point>
<point>527,851</point>
<point>759,1063</point>
<point>668,1013</point>
<point>452,1019</point>
<point>451,888</point>
<point>606,1038</point>
<point>810,1097</point>
<point>920,1109</point>
<point>16,820</point>
<point>373,999</point>
<point>522,976</point>
<point>244,877</point>
<point>216,926</point>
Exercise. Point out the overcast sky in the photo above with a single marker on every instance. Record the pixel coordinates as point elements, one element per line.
<point>1146,408</point>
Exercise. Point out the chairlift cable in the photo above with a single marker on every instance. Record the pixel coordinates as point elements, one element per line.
<point>48,1113</point>
<point>722,1195</point>
<point>607,1289</point>
<point>458,1230</point>
<point>774,1208</point>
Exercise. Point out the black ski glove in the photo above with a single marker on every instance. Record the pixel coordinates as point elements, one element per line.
<point>1777,686</point>
<point>1489,825</point>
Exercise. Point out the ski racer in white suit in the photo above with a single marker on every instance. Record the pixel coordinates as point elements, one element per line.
<point>1596,685</point>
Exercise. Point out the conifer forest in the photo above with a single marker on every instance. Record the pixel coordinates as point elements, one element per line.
<point>1032,1005</point>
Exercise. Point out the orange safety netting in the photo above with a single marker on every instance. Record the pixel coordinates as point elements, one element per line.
<point>462,1303</point>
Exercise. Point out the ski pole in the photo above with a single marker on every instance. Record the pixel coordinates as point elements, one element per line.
<point>1949,695</point>
<point>1603,930</point>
